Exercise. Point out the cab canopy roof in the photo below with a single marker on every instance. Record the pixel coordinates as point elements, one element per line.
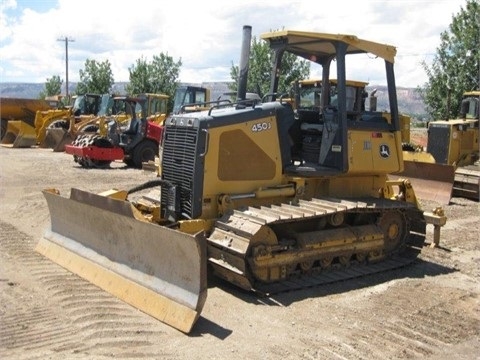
<point>472,93</point>
<point>319,47</point>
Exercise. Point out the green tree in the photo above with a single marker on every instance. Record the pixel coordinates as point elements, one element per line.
<point>456,65</point>
<point>158,76</point>
<point>53,86</point>
<point>259,69</point>
<point>96,78</point>
<point>139,78</point>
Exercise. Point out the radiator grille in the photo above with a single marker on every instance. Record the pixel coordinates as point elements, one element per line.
<point>438,143</point>
<point>178,165</point>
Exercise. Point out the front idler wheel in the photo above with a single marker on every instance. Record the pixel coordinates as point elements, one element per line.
<point>395,229</point>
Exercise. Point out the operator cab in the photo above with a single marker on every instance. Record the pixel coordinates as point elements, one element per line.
<point>334,132</point>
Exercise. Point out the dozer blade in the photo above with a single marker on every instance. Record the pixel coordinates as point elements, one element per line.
<point>57,138</point>
<point>429,181</point>
<point>19,134</point>
<point>160,271</point>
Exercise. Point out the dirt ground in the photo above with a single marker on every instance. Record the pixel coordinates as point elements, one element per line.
<point>428,310</point>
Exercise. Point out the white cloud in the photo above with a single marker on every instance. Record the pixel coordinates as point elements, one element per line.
<point>206,35</point>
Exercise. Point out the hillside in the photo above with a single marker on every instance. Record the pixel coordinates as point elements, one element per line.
<point>32,90</point>
<point>409,101</point>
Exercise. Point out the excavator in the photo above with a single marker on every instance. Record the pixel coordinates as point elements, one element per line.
<point>238,198</point>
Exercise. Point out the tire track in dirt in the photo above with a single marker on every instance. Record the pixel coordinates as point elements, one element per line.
<point>408,330</point>
<point>76,317</point>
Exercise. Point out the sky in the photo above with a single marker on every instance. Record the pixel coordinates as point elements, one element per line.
<point>205,35</point>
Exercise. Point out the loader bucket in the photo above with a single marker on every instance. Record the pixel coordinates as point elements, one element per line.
<point>57,138</point>
<point>161,271</point>
<point>430,181</point>
<point>19,134</point>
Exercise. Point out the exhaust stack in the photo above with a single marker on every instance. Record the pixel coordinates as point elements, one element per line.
<point>244,59</point>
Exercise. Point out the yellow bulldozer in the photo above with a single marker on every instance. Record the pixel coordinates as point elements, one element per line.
<point>18,119</point>
<point>238,197</point>
<point>449,166</point>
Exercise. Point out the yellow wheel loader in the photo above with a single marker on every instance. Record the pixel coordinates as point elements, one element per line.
<point>44,118</point>
<point>56,130</point>
<point>237,200</point>
<point>190,98</point>
<point>18,118</point>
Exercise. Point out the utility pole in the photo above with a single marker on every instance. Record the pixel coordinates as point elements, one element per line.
<point>66,39</point>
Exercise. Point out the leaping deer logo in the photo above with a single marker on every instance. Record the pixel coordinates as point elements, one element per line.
<point>384,151</point>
